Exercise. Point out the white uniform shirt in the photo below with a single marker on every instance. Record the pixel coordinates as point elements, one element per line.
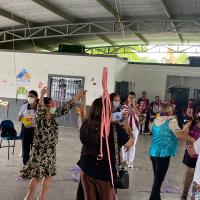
<point>24,112</point>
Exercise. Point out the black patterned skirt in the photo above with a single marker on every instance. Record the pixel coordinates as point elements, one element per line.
<point>42,162</point>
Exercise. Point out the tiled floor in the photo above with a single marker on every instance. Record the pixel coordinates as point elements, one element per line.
<point>68,151</point>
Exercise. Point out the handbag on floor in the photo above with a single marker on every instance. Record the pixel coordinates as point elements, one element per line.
<point>122,179</point>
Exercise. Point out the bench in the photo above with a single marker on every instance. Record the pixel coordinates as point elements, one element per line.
<point>9,145</point>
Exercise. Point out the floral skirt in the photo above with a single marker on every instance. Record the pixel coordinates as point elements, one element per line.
<point>42,163</point>
<point>195,191</point>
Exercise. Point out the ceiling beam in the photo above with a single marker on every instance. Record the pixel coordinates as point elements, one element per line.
<point>167,12</point>
<point>54,10</point>
<point>109,8</point>
<point>22,45</point>
<point>106,39</point>
<point>70,41</point>
<point>24,22</point>
<point>42,45</point>
<point>112,11</point>
<point>13,17</point>
<point>68,17</point>
<point>141,37</point>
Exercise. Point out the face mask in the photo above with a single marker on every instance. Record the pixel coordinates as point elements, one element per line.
<point>116,104</point>
<point>31,100</point>
<point>52,110</point>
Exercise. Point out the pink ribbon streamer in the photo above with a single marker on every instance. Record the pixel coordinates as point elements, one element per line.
<point>105,121</point>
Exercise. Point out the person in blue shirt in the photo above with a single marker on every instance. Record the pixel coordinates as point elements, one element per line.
<point>165,135</point>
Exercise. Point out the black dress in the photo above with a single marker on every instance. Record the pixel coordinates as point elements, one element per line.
<point>88,162</point>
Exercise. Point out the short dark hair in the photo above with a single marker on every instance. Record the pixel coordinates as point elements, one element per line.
<point>33,92</point>
<point>113,95</point>
<point>132,93</point>
<point>144,92</point>
<point>47,100</point>
<point>94,117</point>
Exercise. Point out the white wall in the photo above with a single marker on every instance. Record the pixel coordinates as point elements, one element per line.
<point>191,83</point>
<point>153,78</point>
<point>120,68</point>
<point>40,65</point>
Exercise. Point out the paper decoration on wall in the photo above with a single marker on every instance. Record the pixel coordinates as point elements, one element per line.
<point>3,81</point>
<point>21,90</point>
<point>24,76</point>
<point>3,103</point>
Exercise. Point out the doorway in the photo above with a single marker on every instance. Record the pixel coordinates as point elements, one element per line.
<point>181,95</point>
<point>61,90</point>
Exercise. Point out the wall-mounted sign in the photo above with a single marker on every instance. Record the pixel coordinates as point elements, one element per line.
<point>24,76</point>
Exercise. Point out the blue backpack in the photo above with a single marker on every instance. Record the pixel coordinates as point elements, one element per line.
<point>8,129</point>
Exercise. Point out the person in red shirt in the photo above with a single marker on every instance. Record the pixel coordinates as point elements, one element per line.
<point>173,104</point>
<point>154,107</point>
<point>143,103</point>
<point>142,106</point>
<point>190,112</point>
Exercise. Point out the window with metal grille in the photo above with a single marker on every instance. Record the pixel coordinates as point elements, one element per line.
<point>63,88</point>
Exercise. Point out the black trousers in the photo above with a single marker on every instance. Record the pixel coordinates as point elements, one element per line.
<point>80,192</point>
<point>27,141</point>
<point>160,167</point>
<point>146,126</point>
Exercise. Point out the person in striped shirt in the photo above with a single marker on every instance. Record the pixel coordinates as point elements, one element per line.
<point>129,108</point>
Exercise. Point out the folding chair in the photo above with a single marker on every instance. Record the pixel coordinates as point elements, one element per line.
<point>5,124</point>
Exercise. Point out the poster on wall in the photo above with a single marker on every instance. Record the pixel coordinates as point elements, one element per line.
<point>23,78</point>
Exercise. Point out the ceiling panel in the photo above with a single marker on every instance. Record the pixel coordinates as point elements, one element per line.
<point>84,9</point>
<point>91,10</point>
<point>120,39</point>
<point>169,38</point>
<point>30,10</point>
<point>6,23</point>
<point>181,8</point>
<point>191,38</point>
<point>139,8</point>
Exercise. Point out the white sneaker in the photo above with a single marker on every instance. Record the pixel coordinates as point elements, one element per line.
<point>130,164</point>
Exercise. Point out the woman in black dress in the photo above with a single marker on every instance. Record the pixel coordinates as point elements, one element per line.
<point>95,174</point>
